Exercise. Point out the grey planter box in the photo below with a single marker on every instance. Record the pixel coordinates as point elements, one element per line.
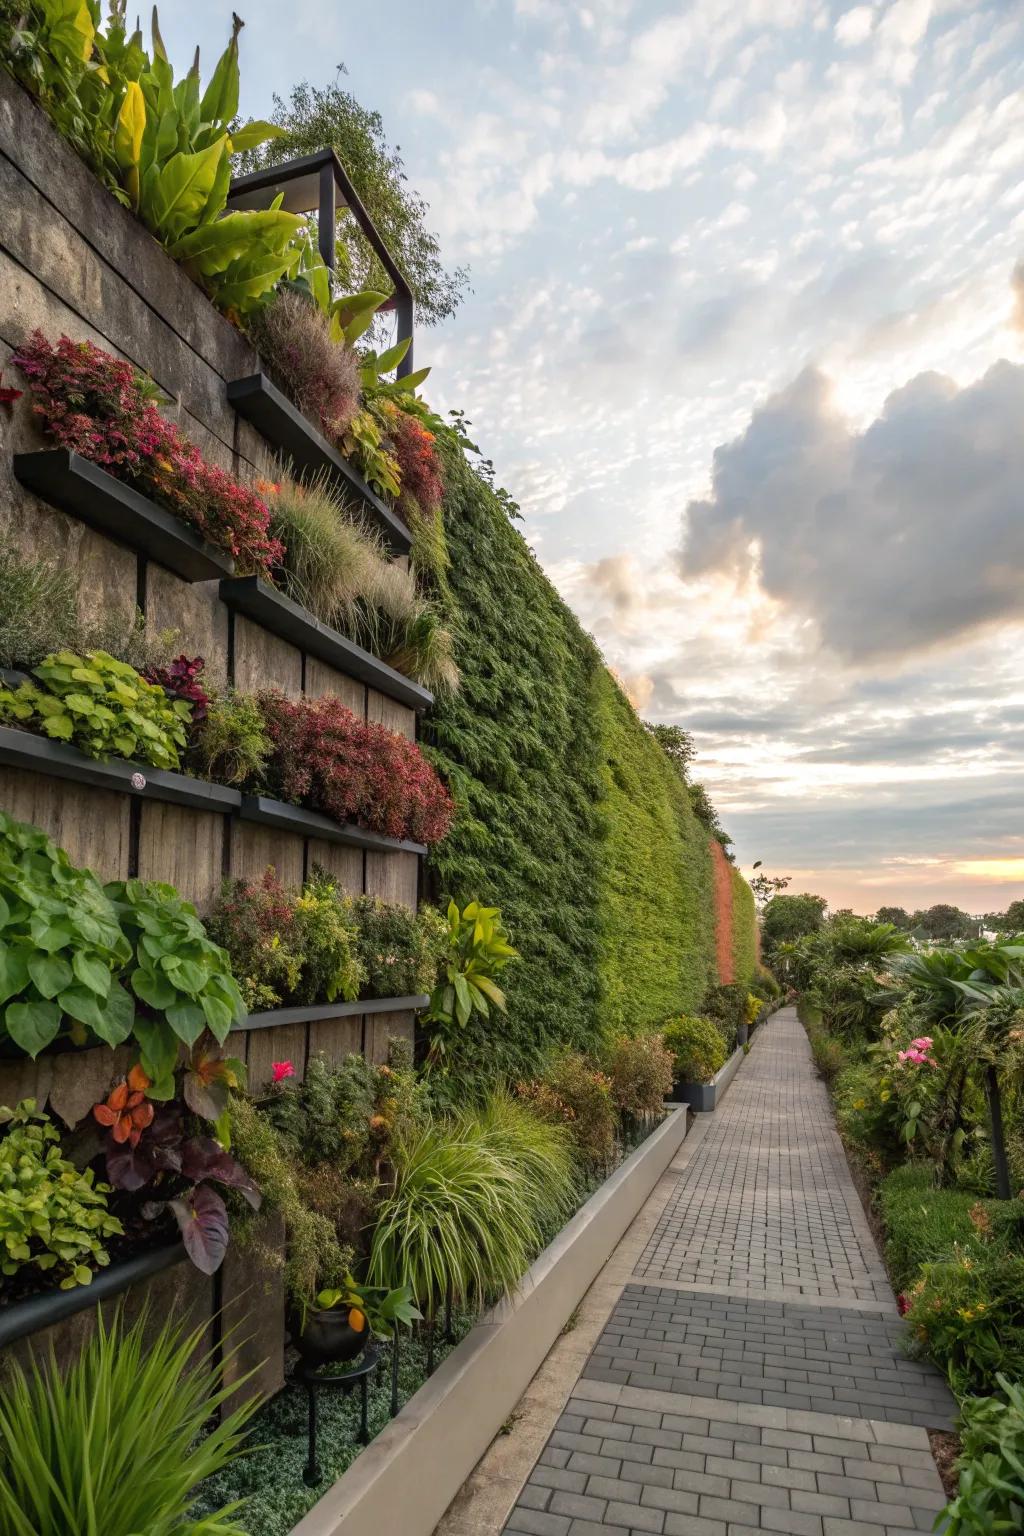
<point>404,1481</point>
<point>304,1013</point>
<point>704,1097</point>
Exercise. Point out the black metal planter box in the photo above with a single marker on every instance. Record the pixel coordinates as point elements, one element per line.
<point>294,818</point>
<point>309,1013</point>
<point>38,754</point>
<point>705,1097</point>
<point>274,416</point>
<point>76,485</point>
<point>22,1318</point>
<point>277,613</point>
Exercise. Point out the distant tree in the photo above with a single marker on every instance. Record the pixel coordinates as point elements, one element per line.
<point>677,745</point>
<point>898,916</point>
<point>787,918</point>
<point>765,886</point>
<point>945,922</point>
<point>1013,918</point>
<point>333,119</point>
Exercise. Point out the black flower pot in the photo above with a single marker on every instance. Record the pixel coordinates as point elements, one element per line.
<point>325,1336</point>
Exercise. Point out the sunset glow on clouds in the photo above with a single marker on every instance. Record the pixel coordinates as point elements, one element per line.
<point>746,344</point>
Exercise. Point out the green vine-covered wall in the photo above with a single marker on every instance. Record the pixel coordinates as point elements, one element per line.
<point>744,930</point>
<point>571,817</point>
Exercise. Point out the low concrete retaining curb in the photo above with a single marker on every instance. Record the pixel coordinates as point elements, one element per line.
<point>704,1097</point>
<point>404,1481</point>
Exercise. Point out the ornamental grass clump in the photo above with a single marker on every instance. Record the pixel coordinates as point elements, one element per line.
<point>97,405</point>
<point>117,1443</point>
<point>321,375</point>
<point>324,757</point>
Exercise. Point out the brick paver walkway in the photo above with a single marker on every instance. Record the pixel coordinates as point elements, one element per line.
<point>751,1377</point>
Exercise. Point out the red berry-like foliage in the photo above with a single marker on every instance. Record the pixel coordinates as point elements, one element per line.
<point>98,406</point>
<point>417,459</point>
<point>326,758</point>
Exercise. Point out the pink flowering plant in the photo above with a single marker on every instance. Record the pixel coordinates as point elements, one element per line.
<point>902,1100</point>
<point>97,406</point>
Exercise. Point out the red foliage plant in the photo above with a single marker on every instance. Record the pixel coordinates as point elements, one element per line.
<point>182,678</point>
<point>98,406</point>
<point>324,757</point>
<point>417,459</point>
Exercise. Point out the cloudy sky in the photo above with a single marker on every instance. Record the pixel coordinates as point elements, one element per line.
<point>745,341</point>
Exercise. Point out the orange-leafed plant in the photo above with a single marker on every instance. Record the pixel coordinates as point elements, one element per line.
<point>126,1110</point>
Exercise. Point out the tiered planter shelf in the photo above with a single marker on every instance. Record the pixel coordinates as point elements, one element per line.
<point>19,749</point>
<point>22,1318</point>
<point>295,818</point>
<point>277,419</point>
<point>78,486</point>
<point>309,1014</point>
<point>277,613</point>
<point>38,754</point>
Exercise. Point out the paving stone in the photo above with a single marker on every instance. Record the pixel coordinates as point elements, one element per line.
<point>773,1396</point>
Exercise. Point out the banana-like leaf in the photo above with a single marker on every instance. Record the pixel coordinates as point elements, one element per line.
<point>252,135</point>
<point>410,381</point>
<point>390,359</point>
<point>249,279</point>
<point>220,99</point>
<point>173,201</point>
<point>131,125</point>
<point>212,247</point>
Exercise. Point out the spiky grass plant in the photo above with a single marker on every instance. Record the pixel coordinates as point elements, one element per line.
<point>474,1197</point>
<point>114,1446</point>
<point>333,557</point>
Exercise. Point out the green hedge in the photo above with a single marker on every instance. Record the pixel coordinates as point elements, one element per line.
<point>744,930</point>
<point>922,1223</point>
<point>657,920</point>
<point>570,817</point>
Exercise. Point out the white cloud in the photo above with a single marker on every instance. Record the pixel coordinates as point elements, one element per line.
<point>854,26</point>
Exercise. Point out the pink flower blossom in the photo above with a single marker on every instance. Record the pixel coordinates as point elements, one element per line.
<point>281,1070</point>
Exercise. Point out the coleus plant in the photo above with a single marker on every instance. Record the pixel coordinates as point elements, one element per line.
<point>165,1151</point>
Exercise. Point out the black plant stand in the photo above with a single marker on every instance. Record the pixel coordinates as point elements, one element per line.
<point>315,1379</point>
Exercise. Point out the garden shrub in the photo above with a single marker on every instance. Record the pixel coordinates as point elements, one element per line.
<point>231,744</point>
<point>324,757</point>
<point>697,1046</point>
<point>967,1315</point>
<point>399,950</point>
<point>642,1071</point>
<point>98,406</point>
<point>103,707</point>
<point>573,1091</point>
<point>923,1223</point>
<point>726,1004</point>
<point>830,1055</point>
<point>990,1498</point>
<point>53,1216</point>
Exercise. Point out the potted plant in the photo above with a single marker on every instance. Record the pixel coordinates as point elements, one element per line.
<point>699,1050</point>
<point>339,1323</point>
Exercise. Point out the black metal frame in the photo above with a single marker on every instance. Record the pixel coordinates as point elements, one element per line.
<point>315,181</point>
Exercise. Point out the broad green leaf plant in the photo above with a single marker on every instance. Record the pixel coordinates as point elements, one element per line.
<point>478,951</point>
<point>162,147</point>
<point>130,960</point>
<point>53,1216</point>
<point>103,707</point>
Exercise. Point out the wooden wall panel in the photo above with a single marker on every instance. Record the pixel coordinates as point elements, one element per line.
<point>380,710</point>
<point>321,679</point>
<point>346,864</point>
<point>183,847</point>
<point>253,1308</point>
<point>262,660</point>
<point>254,849</point>
<point>195,610</point>
<point>23,1078</point>
<point>281,1042</point>
<point>382,1027</point>
<point>394,876</point>
<point>336,1038</point>
<point>92,824</point>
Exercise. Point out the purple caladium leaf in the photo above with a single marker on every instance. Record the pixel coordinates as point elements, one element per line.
<point>203,1219</point>
<point>204,1158</point>
<point>158,1151</point>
